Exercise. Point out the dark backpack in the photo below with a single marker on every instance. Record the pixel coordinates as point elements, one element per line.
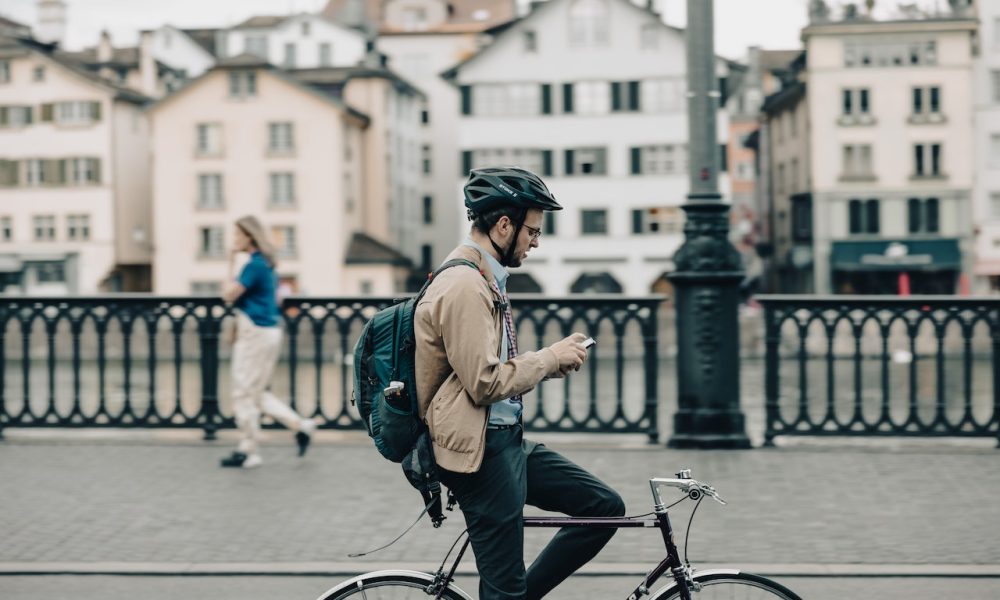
<point>385,392</point>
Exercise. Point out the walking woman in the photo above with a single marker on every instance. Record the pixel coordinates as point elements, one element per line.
<point>257,346</point>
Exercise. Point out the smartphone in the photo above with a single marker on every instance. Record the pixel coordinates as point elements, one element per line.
<point>588,343</point>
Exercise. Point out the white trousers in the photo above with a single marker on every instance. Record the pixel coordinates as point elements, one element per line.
<point>255,355</point>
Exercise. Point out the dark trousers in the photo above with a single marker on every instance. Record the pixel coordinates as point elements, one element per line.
<point>516,472</point>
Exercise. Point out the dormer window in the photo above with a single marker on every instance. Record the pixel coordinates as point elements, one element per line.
<point>530,42</point>
<point>588,23</point>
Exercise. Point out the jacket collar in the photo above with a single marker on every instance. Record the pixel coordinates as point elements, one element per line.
<point>473,255</point>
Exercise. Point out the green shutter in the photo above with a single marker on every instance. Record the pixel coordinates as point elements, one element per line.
<point>567,92</point>
<point>633,95</point>
<point>4,116</point>
<point>547,163</point>
<point>47,110</point>
<point>96,163</point>
<point>636,220</point>
<point>616,96</point>
<point>466,163</point>
<point>95,111</point>
<point>636,161</point>
<point>29,114</point>
<point>546,99</point>
<point>466,99</point>
<point>8,173</point>
<point>569,162</point>
<point>61,170</point>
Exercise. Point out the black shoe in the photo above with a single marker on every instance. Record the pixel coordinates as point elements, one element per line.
<point>302,439</point>
<point>236,459</point>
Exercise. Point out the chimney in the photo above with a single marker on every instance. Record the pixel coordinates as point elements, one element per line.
<point>105,53</point>
<point>51,21</point>
<point>147,64</point>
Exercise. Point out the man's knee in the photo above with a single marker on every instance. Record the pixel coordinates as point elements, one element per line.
<point>609,503</point>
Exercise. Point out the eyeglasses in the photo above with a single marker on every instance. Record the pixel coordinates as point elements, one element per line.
<point>534,233</point>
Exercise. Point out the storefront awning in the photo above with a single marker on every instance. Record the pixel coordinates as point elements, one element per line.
<point>896,255</point>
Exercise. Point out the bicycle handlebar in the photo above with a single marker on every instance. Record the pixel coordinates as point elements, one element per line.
<point>694,489</point>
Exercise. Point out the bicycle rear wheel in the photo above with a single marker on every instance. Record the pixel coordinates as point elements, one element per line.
<point>732,586</point>
<point>390,585</point>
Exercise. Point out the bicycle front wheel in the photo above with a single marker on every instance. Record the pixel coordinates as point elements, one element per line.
<point>731,585</point>
<point>390,585</point>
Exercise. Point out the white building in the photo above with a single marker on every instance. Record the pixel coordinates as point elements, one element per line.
<point>191,51</point>
<point>74,177</point>
<point>590,94</point>
<point>302,41</point>
<point>891,149</point>
<point>987,145</point>
<point>422,39</point>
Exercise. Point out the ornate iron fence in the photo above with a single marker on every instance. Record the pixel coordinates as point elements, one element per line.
<point>150,361</point>
<point>934,362</point>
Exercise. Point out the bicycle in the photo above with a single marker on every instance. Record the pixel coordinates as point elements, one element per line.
<point>688,583</point>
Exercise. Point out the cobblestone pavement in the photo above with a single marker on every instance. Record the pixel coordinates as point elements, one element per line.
<point>144,499</point>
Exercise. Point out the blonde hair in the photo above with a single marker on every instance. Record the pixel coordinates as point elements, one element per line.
<point>255,231</point>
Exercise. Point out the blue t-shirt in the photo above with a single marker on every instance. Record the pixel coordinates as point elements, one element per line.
<point>260,298</point>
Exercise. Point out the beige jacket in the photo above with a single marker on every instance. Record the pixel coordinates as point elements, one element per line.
<point>458,328</point>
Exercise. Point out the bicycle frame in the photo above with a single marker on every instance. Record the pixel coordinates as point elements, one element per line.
<point>660,520</point>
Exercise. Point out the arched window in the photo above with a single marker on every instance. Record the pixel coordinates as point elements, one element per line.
<point>588,23</point>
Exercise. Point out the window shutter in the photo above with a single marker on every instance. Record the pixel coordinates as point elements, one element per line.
<point>569,162</point>
<point>616,96</point>
<point>4,115</point>
<point>636,161</point>
<point>633,95</point>
<point>567,97</point>
<point>931,217</point>
<point>95,111</point>
<point>913,206</point>
<point>47,110</point>
<point>8,172</point>
<point>466,163</point>
<point>636,220</point>
<point>547,163</point>
<point>723,160</point>
<point>546,99</point>
<point>96,168</point>
<point>466,99</point>
<point>61,170</point>
<point>29,114</point>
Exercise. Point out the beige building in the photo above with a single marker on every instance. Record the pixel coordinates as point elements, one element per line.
<point>74,174</point>
<point>246,138</point>
<point>890,116</point>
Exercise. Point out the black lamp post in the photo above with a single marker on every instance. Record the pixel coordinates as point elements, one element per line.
<point>708,270</point>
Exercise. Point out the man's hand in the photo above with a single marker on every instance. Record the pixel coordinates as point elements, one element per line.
<point>570,352</point>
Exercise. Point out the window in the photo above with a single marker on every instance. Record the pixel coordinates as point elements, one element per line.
<point>625,96</point>
<point>663,95</point>
<point>856,102</point>
<point>926,101</point>
<point>649,36</point>
<point>290,55</point>
<point>510,99</point>
<point>242,84</point>
<point>863,216</point>
<point>532,159</point>
<point>425,158</point>
<point>209,139</point>
<point>325,55</point>
<point>6,229</point>
<point>85,170</point>
<point>15,116</point>
<point>530,41</point>
<point>210,191</point>
<point>586,161</point>
<point>256,45</point>
<point>75,113</point>
<point>45,228</point>
<point>50,272</point>
<point>281,138</point>
<point>661,159</point>
<point>212,242</point>
<point>34,172</point>
<point>426,257</point>
<point>923,215</point>
<point>306,28</point>
<point>4,71</point>
<point>78,227</point>
<point>658,220</point>
<point>549,223</point>
<point>594,222</point>
<point>802,218</point>
<point>428,210</point>
<point>38,74</point>
<point>425,116</point>
<point>591,98</point>
<point>282,189</point>
<point>857,161</point>
<point>588,23</point>
<point>927,160</point>
<point>285,240</point>
<point>206,288</point>
<point>890,53</point>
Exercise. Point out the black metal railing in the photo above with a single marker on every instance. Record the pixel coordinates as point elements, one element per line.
<point>876,365</point>
<point>150,361</point>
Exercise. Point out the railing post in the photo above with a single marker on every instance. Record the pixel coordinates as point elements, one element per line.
<point>650,339</point>
<point>772,337</point>
<point>208,334</point>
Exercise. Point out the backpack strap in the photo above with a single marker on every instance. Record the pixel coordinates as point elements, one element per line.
<point>451,263</point>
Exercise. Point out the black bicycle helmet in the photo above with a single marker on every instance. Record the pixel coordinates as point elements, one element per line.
<point>491,187</point>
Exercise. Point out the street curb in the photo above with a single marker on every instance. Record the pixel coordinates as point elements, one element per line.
<point>350,569</point>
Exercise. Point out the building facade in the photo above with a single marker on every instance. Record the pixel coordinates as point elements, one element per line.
<point>987,144</point>
<point>891,152</point>
<point>74,177</point>
<point>606,130</point>
<point>302,41</point>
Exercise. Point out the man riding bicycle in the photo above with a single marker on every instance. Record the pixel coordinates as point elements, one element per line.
<point>470,381</point>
